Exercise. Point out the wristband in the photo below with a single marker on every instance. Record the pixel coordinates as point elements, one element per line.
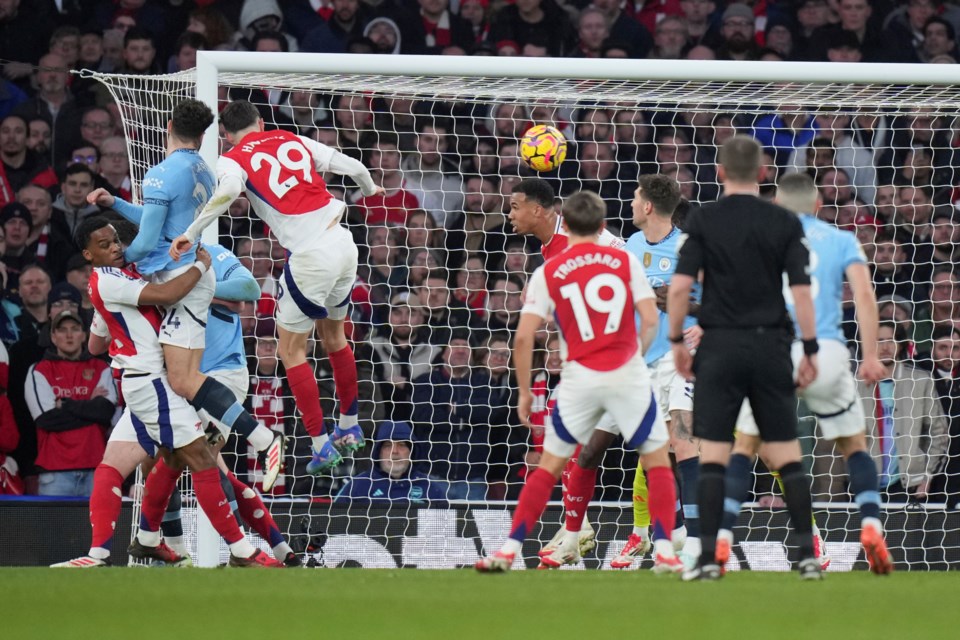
<point>202,268</point>
<point>810,347</point>
<point>676,339</point>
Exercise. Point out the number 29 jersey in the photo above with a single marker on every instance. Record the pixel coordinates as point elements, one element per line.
<point>591,290</point>
<point>279,173</point>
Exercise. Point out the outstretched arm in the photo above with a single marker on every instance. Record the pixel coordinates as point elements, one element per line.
<point>151,225</point>
<point>329,159</point>
<point>104,198</point>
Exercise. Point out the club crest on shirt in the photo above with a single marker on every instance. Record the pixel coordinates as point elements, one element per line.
<point>647,259</point>
<point>87,374</point>
<point>664,264</point>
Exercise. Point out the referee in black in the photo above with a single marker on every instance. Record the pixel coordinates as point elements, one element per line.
<point>743,245</point>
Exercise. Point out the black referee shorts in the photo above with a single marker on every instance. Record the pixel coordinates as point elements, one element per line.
<point>733,364</point>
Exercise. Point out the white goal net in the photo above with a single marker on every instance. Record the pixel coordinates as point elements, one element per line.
<point>442,271</point>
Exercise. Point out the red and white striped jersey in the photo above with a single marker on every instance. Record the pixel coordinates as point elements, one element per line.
<point>134,328</point>
<point>559,241</point>
<point>592,291</point>
<point>279,173</point>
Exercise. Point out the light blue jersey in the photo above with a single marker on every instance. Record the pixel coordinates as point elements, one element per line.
<point>831,252</point>
<point>659,261</point>
<point>224,337</point>
<point>174,191</point>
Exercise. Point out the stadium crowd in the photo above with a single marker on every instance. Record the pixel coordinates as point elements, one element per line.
<point>442,272</point>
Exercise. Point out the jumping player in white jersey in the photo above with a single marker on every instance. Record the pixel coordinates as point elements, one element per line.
<point>832,396</point>
<point>127,303</point>
<point>173,192</point>
<point>224,360</point>
<point>593,292</point>
<point>280,172</point>
<point>533,211</point>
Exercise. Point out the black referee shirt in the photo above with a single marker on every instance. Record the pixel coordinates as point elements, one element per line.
<point>744,245</point>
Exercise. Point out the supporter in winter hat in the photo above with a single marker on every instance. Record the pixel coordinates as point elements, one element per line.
<point>385,34</point>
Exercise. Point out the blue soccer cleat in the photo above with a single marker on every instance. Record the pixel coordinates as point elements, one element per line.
<point>327,458</point>
<point>348,440</point>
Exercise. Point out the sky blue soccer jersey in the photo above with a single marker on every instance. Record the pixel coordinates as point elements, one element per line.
<point>659,261</point>
<point>174,192</point>
<point>831,252</point>
<point>224,336</point>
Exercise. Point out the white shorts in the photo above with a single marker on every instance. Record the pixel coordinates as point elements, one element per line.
<point>832,397</point>
<point>673,391</point>
<point>317,284</point>
<point>185,323</point>
<point>237,380</point>
<point>158,416</point>
<point>585,395</point>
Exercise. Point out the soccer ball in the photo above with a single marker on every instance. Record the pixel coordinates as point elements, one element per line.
<point>543,148</point>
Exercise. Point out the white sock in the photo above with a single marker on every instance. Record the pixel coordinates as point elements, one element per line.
<point>511,546</point>
<point>723,534</point>
<point>643,532</point>
<point>348,421</point>
<point>242,548</point>
<point>571,539</point>
<point>319,441</point>
<point>281,550</point>
<point>260,438</point>
<point>148,538</point>
<point>871,522</point>
<point>663,547</point>
<point>177,544</point>
<point>692,546</point>
<point>99,553</point>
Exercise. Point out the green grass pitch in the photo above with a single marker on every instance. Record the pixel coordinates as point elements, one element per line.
<point>142,604</point>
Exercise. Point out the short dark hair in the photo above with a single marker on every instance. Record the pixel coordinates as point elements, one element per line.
<point>951,32</point>
<point>538,190</point>
<point>79,167</point>
<point>87,228</point>
<point>741,158</point>
<point>137,33</point>
<point>438,274</point>
<point>944,331</point>
<point>269,35</point>
<point>663,192</point>
<point>190,119</point>
<point>238,115</point>
<point>126,230</point>
<point>584,213</point>
<point>190,39</point>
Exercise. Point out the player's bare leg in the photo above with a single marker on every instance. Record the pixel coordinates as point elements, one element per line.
<point>347,436</point>
<point>533,500</point>
<point>214,397</point>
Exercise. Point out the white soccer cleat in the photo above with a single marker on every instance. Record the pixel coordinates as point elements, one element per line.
<point>636,547</point>
<point>666,564</point>
<point>820,550</point>
<point>587,540</point>
<point>273,461</point>
<point>499,562</point>
<point>561,555</point>
<point>554,542</point>
<point>83,562</point>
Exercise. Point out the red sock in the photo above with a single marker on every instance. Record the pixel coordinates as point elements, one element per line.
<point>255,513</point>
<point>345,378</point>
<point>568,469</point>
<point>306,393</point>
<point>159,485</point>
<point>533,500</point>
<point>576,499</point>
<point>104,505</point>
<point>662,501</point>
<point>210,497</point>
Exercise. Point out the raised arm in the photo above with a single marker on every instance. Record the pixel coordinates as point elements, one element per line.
<point>328,159</point>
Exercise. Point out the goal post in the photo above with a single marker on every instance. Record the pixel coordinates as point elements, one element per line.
<point>865,131</point>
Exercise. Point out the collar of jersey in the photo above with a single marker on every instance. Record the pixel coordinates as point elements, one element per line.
<point>673,230</point>
<point>185,149</point>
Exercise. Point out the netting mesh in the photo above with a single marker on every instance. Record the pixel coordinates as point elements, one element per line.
<point>440,261</point>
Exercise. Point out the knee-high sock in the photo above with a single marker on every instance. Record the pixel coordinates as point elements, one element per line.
<point>737,487</point>
<point>533,500</point>
<point>172,525</point>
<point>210,497</point>
<point>864,484</point>
<point>306,393</point>
<point>663,497</point>
<point>711,507</point>
<point>796,491</point>
<point>641,498</point>
<point>159,485</point>
<point>579,493</point>
<point>776,476</point>
<point>345,379</point>
<point>255,513</point>
<point>689,472</point>
<point>104,509</point>
<point>568,469</point>
<point>217,400</point>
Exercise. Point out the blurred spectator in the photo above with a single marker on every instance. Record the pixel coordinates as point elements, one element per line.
<point>96,125</point>
<point>597,166</point>
<point>258,16</point>
<point>906,428</point>
<point>256,254</point>
<point>491,407</point>
<point>943,365</point>
<point>301,112</point>
<point>423,233</point>
<point>24,36</point>
<point>209,22</point>
<point>670,38</point>
<point>185,52</point>
<point>892,271</point>
<point>700,27</point>
<point>130,14</point>
<point>939,39</point>
<point>17,224</point>
<point>503,302</point>
<point>115,166</point>
<point>394,476</point>
<point>482,227</point>
<point>475,12</point>
<point>737,27</point>
<point>139,53</point>
<point>430,176</point>
<point>54,102</point>
<point>855,17</point>
<point>384,268</point>
<point>471,285</point>
<point>592,30</point>
<point>945,239</point>
<point>444,313</point>
<point>420,262</point>
<point>39,136</point>
<point>78,272</point>
<point>385,35</point>
<point>382,156</point>
<point>72,400</point>
<point>437,28</point>
<point>522,21</point>
<point>944,296</point>
<point>18,164</point>
<point>401,352</point>
<point>914,226</point>
<point>905,27</point>
<point>90,53</point>
<point>71,206</point>
<point>10,481</point>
